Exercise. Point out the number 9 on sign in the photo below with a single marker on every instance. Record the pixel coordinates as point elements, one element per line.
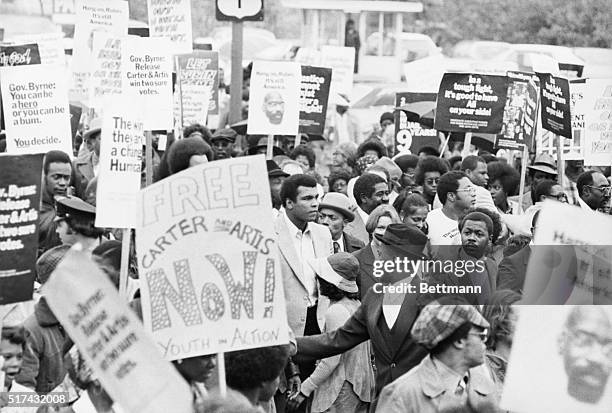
<point>403,140</point>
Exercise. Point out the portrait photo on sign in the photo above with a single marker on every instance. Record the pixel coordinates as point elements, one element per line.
<point>561,360</point>
<point>274,98</point>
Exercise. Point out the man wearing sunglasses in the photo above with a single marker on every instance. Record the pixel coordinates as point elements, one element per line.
<point>594,190</point>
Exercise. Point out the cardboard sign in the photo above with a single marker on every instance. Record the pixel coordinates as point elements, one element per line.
<point>520,112</point>
<point>410,135</point>
<point>569,377</point>
<point>274,98</point>
<point>20,192</point>
<point>37,117</point>
<point>199,77</point>
<point>243,10</point>
<point>598,122</point>
<point>111,339</point>
<point>471,103</point>
<point>210,279</point>
<point>147,79</point>
<point>342,62</point>
<point>555,102</point>
<point>50,46</point>
<point>109,16</point>
<point>19,55</point>
<point>121,157</point>
<point>571,260</point>
<point>106,68</point>
<point>171,20</point>
<point>314,94</point>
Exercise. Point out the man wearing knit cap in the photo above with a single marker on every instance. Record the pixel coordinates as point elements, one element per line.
<point>222,143</point>
<point>452,377</point>
<point>335,213</point>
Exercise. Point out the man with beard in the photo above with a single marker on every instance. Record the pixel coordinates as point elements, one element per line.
<point>276,177</point>
<point>586,347</point>
<point>274,107</point>
<point>222,143</point>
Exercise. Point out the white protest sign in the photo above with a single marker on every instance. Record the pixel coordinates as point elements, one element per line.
<point>571,258</point>
<point>574,148</point>
<point>106,68</point>
<point>342,62</point>
<point>209,274</point>
<point>552,366</point>
<point>111,339</point>
<point>119,176</point>
<point>36,112</point>
<point>171,20</point>
<point>93,15</point>
<point>50,46</point>
<point>598,119</point>
<point>147,79</point>
<point>274,98</point>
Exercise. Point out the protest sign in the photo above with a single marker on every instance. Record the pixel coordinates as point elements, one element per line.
<point>598,122</point>
<point>37,117</point>
<point>50,46</point>
<point>19,55</point>
<point>120,165</point>
<point>106,68</point>
<point>210,279</point>
<point>75,119</point>
<point>93,15</point>
<point>563,342</point>
<point>555,103</point>
<point>471,103</point>
<point>147,79</point>
<point>199,83</point>
<point>171,20</point>
<point>20,192</point>
<point>111,339</point>
<point>274,98</point>
<point>314,94</point>
<point>571,259</point>
<point>520,111</point>
<point>342,62</point>
<point>410,135</point>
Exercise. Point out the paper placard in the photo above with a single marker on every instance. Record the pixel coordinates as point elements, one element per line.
<point>314,95</point>
<point>598,122</point>
<point>274,98</point>
<point>106,68</point>
<point>50,46</point>
<point>36,112</point>
<point>20,193</point>
<point>555,102</point>
<point>111,339</point>
<point>171,20</point>
<point>199,77</point>
<point>342,62</point>
<point>209,273</point>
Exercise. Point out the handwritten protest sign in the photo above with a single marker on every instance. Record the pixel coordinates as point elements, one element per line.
<point>571,260</point>
<point>545,337</point>
<point>20,192</point>
<point>35,100</point>
<point>171,20</point>
<point>274,98</point>
<point>598,119</point>
<point>106,68</point>
<point>120,165</point>
<point>210,278</point>
<point>555,102</point>
<point>50,46</point>
<point>199,81</point>
<point>314,94</point>
<point>342,62</point>
<point>520,112</point>
<point>111,339</point>
<point>471,103</point>
<point>93,15</point>
<point>410,135</point>
<point>147,79</point>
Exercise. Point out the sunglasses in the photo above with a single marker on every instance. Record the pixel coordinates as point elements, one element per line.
<point>605,190</point>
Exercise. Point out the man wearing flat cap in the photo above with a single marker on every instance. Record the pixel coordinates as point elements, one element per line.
<point>76,223</point>
<point>335,213</point>
<point>222,143</point>
<point>543,168</point>
<point>453,376</point>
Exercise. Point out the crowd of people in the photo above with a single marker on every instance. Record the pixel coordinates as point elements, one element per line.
<point>355,346</point>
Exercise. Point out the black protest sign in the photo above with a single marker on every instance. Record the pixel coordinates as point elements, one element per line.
<point>521,111</point>
<point>470,102</point>
<point>414,111</point>
<point>20,192</point>
<point>555,102</point>
<point>314,94</point>
<point>239,10</point>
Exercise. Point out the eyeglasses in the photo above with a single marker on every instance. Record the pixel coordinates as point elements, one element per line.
<point>483,335</point>
<point>559,197</point>
<point>432,181</point>
<point>469,189</point>
<point>605,190</point>
<point>584,339</point>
